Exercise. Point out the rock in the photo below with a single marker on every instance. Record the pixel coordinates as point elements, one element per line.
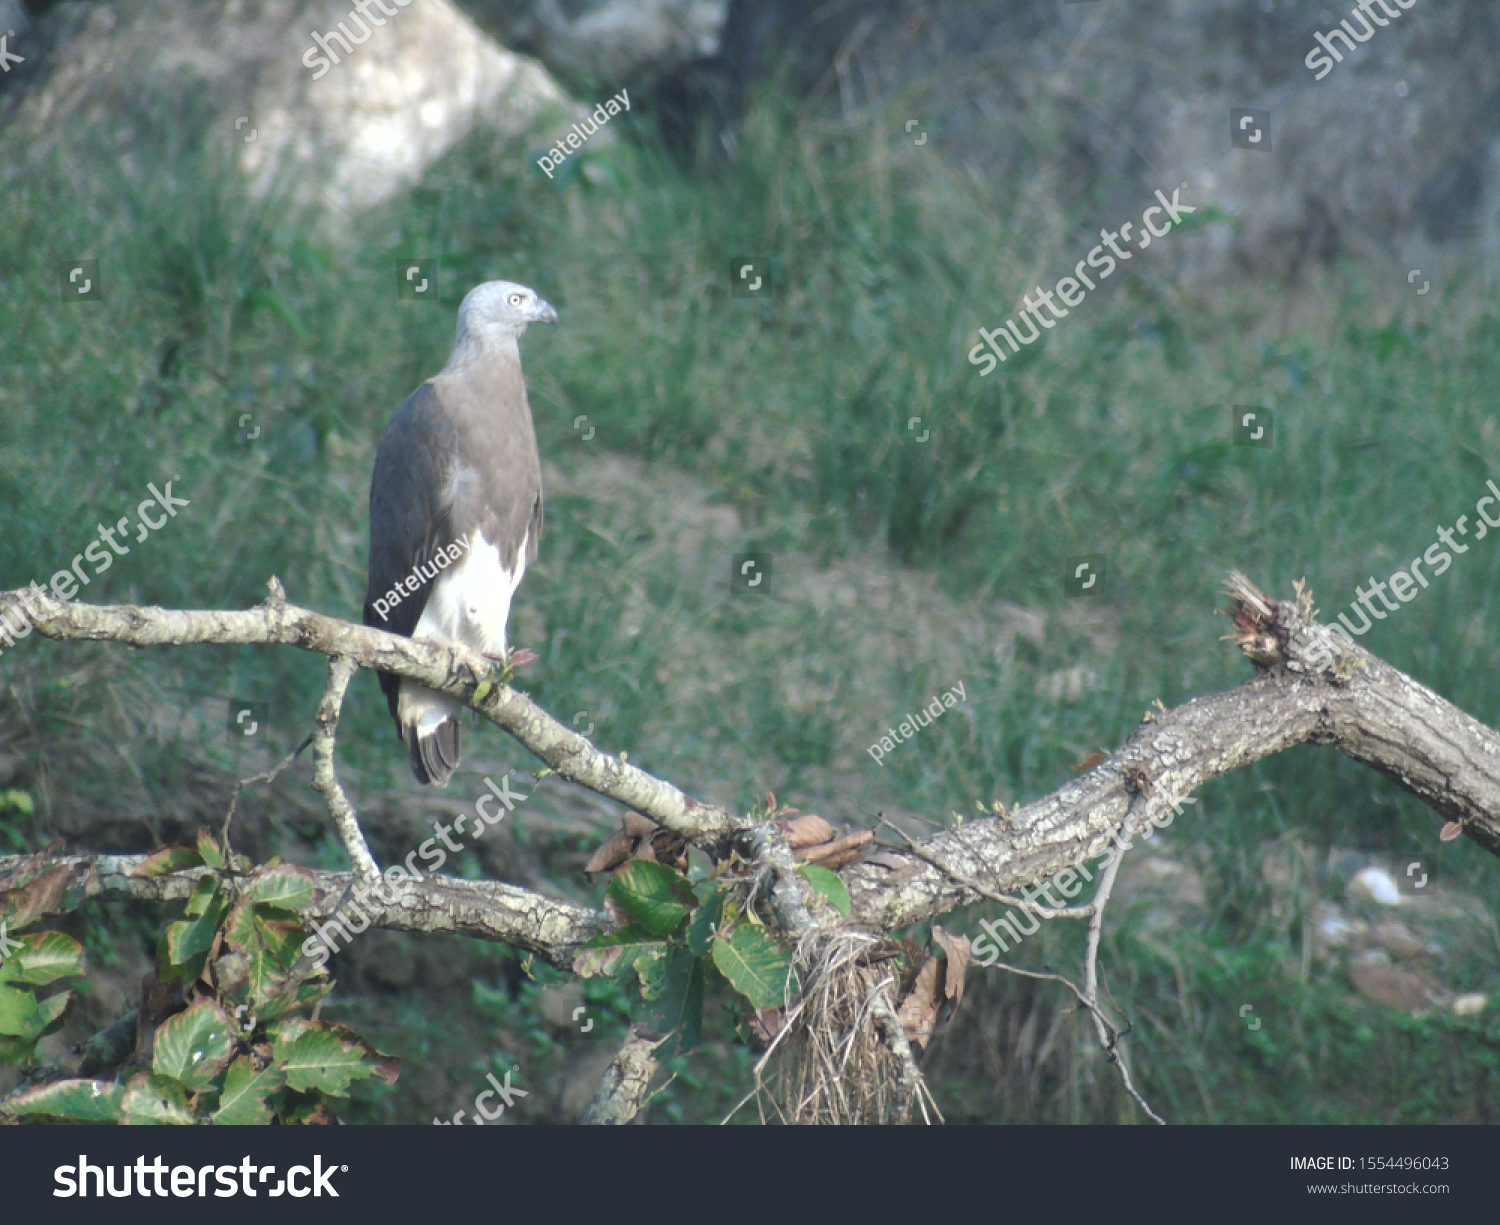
<point>1389,986</point>
<point>1375,885</point>
<point>1398,939</point>
<point>1333,931</point>
<point>598,42</point>
<point>1470,1005</point>
<point>150,80</point>
<point>1090,108</point>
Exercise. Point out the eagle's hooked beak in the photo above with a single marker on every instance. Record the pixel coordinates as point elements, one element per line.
<point>545,312</point>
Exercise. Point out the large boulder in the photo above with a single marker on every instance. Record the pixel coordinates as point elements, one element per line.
<point>1097,103</point>
<point>337,113</point>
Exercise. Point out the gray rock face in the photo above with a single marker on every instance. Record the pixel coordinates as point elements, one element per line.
<point>1100,102</point>
<point>602,43</point>
<point>306,97</point>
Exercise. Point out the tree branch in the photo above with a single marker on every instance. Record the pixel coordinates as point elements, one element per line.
<point>438,667</point>
<point>623,1088</point>
<point>325,777</point>
<point>487,909</point>
<point>1312,686</point>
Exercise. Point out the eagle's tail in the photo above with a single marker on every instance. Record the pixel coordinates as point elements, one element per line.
<point>429,724</point>
<point>434,755</point>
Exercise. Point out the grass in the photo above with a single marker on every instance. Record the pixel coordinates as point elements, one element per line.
<point>901,567</point>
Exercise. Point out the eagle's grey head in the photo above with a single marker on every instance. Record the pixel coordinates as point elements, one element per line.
<point>498,312</point>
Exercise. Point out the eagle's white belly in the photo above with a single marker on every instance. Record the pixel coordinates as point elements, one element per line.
<point>468,603</point>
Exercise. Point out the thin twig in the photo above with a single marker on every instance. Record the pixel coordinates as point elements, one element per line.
<point>326,779</point>
<point>268,777</point>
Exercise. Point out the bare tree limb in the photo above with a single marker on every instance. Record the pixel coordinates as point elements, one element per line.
<point>551,929</point>
<point>325,777</point>
<point>623,1088</point>
<point>1312,687</point>
<point>448,671</point>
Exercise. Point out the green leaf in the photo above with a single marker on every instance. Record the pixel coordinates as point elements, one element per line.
<point>17,1011</point>
<point>273,946</point>
<point>85,1101</point>
<point>327,1057</point>
<point>655,896</point>
<point>19,800</point>
<point>44,958</point>
<point>287,888</point>
<point>193,1047</point>
<point>616,953</point>
<point>244,1098</point>
<point>755,965</point>
<point>312,1109</point>
<point>168,859</point>
<point>700,934</point>
<point>53,891</point>
<point>829,884</point>
<point>152,1099</point>
<point>49,1013</point>
<point>677,1003</point>
<point>185,944</point>
<point>209,850</point>
<point>305,996</point>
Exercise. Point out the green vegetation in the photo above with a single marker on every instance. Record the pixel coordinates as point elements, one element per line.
<point>726,425</point>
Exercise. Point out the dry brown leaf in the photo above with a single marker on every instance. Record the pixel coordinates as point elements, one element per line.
<point>1391,986</point>
<point>1451,831</point>
<point>644,850</point>
<point>957,948</point>
<point>766,1023</point>
<point>1089,762</point>
<point>919,1010</point>
<point>808,831</point>
<point>837,853</point>
<point>615,851</point>
<point>915,957</point>
<point>638,826</point>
